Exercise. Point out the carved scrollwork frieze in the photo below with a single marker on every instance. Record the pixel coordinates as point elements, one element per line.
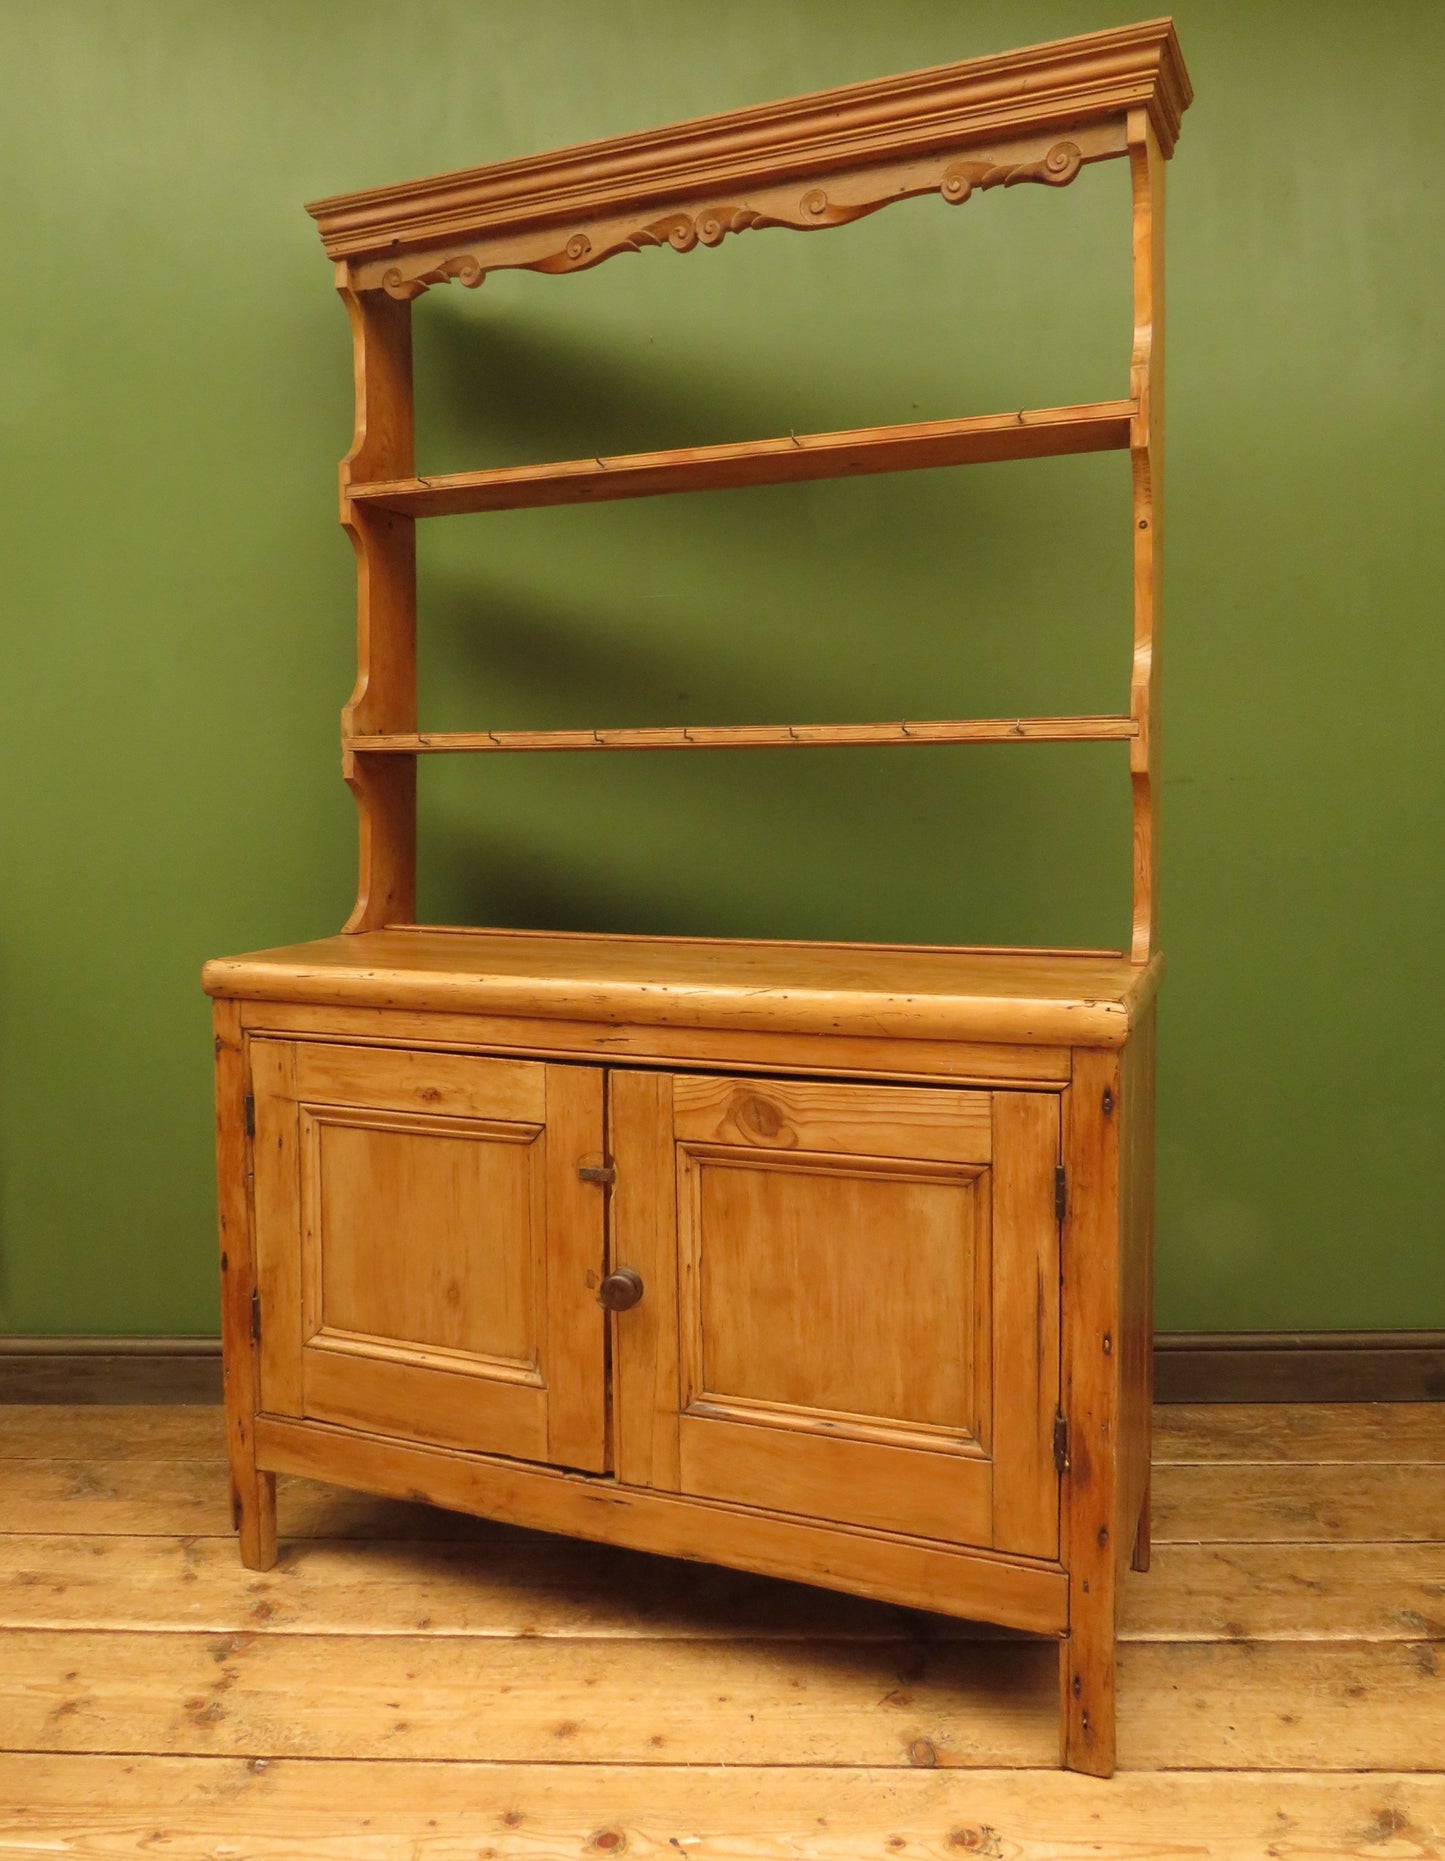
<point>685,228</point>
<point>1055,169</point>
<point>465,267</point>
<point>709,226</point>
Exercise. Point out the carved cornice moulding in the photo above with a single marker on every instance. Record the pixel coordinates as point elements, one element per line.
<point>805,208</point>
<point>1045,90</point>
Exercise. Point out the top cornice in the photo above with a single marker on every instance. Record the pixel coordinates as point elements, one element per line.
<point>1070,83</point>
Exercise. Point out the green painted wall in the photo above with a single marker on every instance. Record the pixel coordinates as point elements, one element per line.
<point>174,392</point>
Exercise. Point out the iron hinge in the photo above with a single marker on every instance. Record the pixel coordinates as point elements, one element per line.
<point>250,1116</point>
<point>1061,1444</point>
<point>255,1318</point>
<point>1061,1191</point>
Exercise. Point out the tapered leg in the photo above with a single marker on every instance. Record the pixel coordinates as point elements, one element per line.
<point>1086,1683</point>
<point>253,1517</point>
<point>1141,1535</point>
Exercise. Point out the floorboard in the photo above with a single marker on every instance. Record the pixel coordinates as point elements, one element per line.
<point>292,1811</point>
<point>1200,1503</point>
<point>407,1683</point>
<point>1269,1432</point>
<point>528,1584</point>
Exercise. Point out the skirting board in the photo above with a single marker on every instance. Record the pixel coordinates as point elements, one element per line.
<point>1239,1366</point>
<point>1299,1366</point>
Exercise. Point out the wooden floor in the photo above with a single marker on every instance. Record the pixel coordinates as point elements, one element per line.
<point>1282,1686</point>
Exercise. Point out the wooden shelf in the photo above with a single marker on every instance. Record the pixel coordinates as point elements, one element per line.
<point>881,991</point>
<point>755,736</point>
<point>1100,426</point>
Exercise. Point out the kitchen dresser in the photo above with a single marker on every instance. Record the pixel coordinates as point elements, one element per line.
<point>824,1260</point>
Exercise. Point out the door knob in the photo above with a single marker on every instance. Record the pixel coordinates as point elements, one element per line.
<point>620,1291</point>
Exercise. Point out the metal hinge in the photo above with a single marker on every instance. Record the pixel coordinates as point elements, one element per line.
<point>255,1318</point>
<point>1061,1191</point>
<point>1061,1444</point>
<point>250,1116</point>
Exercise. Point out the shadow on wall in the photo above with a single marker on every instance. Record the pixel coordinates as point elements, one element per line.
<point>507,392</point>
<point>926,594</point>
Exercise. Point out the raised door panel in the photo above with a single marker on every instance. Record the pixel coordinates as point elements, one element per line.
<point>427,1253</point>
<point>855,1338</point>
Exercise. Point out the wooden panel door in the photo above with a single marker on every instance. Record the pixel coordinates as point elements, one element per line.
<point>427,1254</point>
<point>851,1306</point>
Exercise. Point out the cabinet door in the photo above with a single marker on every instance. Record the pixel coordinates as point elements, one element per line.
<point>851,1304</point>
<point>427,1254</point>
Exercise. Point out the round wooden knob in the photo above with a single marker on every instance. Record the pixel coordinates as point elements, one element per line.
<point>620,1291</point>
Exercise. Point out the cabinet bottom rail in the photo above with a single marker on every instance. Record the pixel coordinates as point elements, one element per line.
<point>987,1586</point>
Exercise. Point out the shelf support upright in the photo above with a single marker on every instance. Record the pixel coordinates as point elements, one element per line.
<point>1146,451</point>
<point>384,697</point>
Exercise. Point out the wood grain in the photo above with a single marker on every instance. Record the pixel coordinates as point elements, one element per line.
<point>1146,454</point>
<point>1208,1503</point>
<point>1024,1293</point>
<point>501,1581</point>
<point>252,1491</point>
<point>1320,1434</point>
<point>1093,1545</point>
<point>646,1392</point>
<point>1029,434</point>
<point>752,1051</point>
<point>889,1566</point>
<point>111,1432</point>
<point>870,1338</point>
<point>1136,1287</point>
<point>384,696</point>
<point>447,1084</point>
<point>1036,998</point>
<point>276,1214</point>
<point>388,1697</point>
<point>1300,1504</point>
<point>1287,1592</point>
<point>756,736</point>
<point>1256,1682</point>
<point>871,1483</point>
<point>100,1808</point>
<point>1277,1706</point>
<point>1083,82</point>
<point>1262,1433</point>
<point>800,1114</point>
<point>168,1497</point>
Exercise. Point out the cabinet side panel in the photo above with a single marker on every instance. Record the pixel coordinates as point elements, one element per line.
<point>1026,1323</point>
<point>644,1237</point>
<point>575,1366</point>
<point>278,1225</point>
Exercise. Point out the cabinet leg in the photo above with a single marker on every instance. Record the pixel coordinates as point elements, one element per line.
<point>1140,1560</point>
<point>1086,1701</point>
<point>253,1515</point>
<point>253,1493</point>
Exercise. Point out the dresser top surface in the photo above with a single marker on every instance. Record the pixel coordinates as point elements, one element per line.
<point>1087,998</point>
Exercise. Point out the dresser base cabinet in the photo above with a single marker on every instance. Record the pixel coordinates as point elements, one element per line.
<point>885,1297</point>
